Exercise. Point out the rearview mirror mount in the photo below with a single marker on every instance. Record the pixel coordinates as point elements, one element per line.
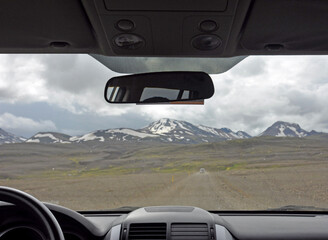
<point>162,87</point>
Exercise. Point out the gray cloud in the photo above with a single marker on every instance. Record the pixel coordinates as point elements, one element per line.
<point>73,82</point>
<point>251,67</point>
<point>22,125</point>
<point>252,102</point>
<point>251,96</point>
<point>74,73</point>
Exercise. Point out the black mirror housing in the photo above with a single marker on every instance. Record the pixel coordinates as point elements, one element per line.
<point>161,87</point>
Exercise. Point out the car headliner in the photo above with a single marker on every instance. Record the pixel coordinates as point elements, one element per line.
<point>244,27</point>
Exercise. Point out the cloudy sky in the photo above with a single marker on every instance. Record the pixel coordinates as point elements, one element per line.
<point>64,93</point>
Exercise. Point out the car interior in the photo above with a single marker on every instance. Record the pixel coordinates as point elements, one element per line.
<point>124,35</point>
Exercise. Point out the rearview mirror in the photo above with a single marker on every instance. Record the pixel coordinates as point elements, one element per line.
<point>162,87</point>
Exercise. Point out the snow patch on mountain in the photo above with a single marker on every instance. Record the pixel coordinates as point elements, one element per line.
<point>286,129</point>
<point>208,129</point>
<point>163,126</point>
<point>131,132</point>
<point>6,137</point>
<point>242,135</point>
<point>49,137</point>
<point>33,140</point>
<point>87,137</point>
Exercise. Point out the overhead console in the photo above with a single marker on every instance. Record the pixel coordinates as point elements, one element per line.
<point>167,28</point>
<point>213,28</point>
<point>167,5</point>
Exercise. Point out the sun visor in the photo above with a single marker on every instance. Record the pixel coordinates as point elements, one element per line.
<point>287,25</point>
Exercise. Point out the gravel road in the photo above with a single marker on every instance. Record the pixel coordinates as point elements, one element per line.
<point>246,189</point>
<point>206,190</point>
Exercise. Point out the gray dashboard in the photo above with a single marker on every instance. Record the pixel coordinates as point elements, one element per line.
<point>224,226</point>
<point>177,223</point>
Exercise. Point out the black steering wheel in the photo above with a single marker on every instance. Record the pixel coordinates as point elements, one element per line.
<point>41,212</point>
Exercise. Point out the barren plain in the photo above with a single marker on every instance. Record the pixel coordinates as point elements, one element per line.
<point>257,173</point>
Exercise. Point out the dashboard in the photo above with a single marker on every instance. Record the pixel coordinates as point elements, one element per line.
<point>166,222</point>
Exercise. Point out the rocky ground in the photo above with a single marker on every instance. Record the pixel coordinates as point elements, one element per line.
<point>230,189</point>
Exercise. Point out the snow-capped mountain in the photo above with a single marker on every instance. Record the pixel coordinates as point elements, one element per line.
<point>49,137</point>
<point>285,129</point>
<point>6,137</point>
<point>239,134</point>
<point>163,130</point>
<point>120,134</point>
<point>171,130</point>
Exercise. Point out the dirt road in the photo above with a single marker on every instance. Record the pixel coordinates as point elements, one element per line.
<point>206,190</point>
<point>249,189</point>
<point>229,190</point>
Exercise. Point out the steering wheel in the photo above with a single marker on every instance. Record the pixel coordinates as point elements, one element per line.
<point>41,212</point>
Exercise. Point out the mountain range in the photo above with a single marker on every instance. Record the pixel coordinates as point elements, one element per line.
<point>164,130</point>
<point>285,129</point>
<point>6,137</point>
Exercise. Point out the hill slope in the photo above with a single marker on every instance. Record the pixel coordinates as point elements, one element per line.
<point>286,129</point>
<point>6,137</point>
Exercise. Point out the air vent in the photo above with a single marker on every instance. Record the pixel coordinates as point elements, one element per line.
<point>147,231</point>
<point>189,231</point>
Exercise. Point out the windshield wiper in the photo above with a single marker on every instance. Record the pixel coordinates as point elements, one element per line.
<point>297,208</point>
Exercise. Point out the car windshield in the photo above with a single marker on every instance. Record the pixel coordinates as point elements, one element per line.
<point>259,143</point>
